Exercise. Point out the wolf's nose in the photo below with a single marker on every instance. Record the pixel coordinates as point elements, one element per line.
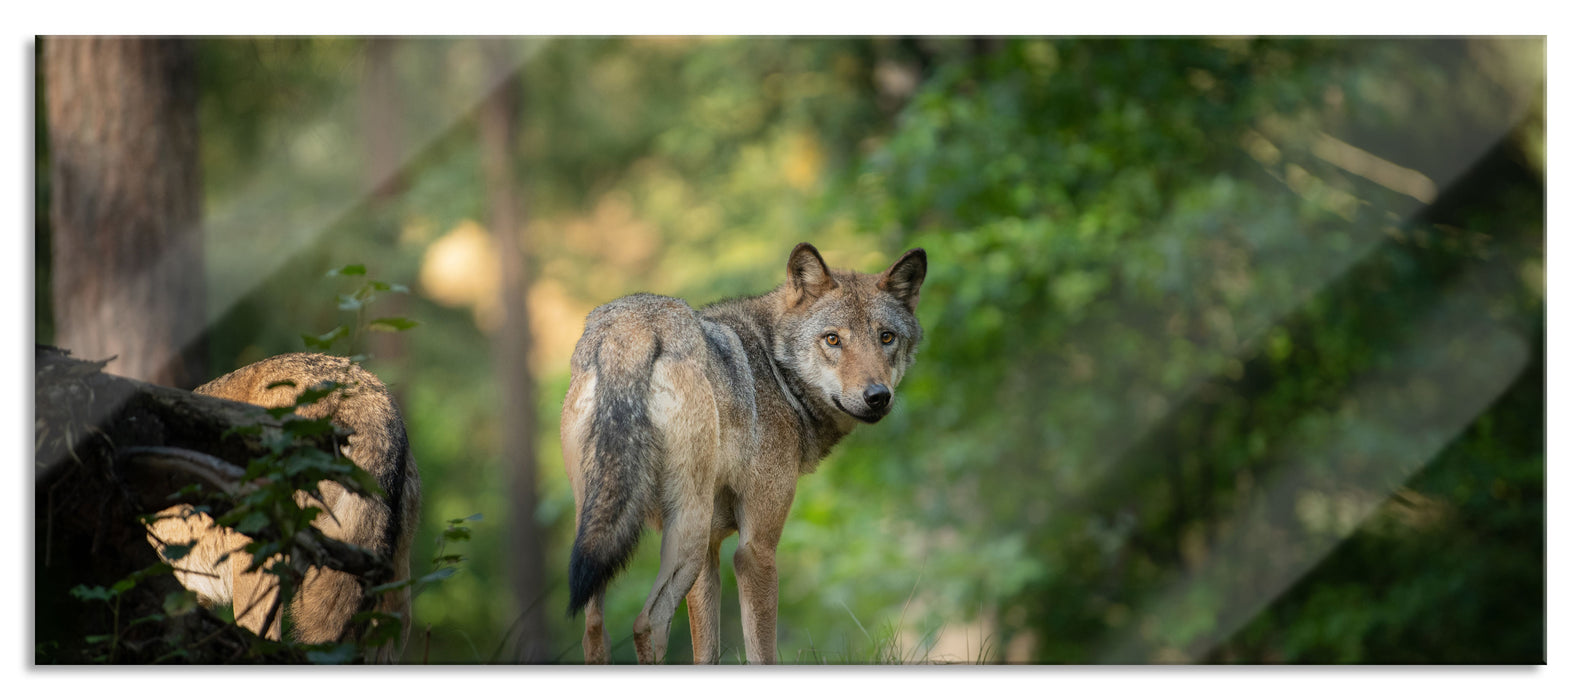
<point>877,395</point>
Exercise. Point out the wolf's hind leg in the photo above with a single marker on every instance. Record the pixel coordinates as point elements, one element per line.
<point>703,608</point>
<point>682,406</point>
<point>595,640</point>
<point>682,552</point>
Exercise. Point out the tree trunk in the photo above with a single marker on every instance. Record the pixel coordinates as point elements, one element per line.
<point>381,110</point>
<point>127,270</point>
<point>518,415</point>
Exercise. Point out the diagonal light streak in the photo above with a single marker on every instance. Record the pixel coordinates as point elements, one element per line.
<point>1388,427</point>
<point>1290,265</point>
<point>255,229</point>
<point>1475,382</point>
<point>1362,163</point>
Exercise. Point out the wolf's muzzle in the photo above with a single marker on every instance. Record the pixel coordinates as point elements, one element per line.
<point>866,415</point>
<point>877,396</point>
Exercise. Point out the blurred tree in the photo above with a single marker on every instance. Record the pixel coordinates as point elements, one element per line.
<point>498,129</point>
<point>380,104</point>
<point>126,205</point>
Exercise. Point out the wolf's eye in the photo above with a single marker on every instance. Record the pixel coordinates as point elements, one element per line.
<point>832,340</point>
<point>887,337</point>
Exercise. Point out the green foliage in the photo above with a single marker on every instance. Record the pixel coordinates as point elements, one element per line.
<point>358,302</point>
<point>111,644</point>
<point>1198,384</point>
<point>444,565</point>
<point>1125,307</point>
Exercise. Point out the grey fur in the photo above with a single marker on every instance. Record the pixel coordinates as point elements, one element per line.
<point>701,420</point>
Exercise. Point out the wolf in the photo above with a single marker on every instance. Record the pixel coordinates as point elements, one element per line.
<point>327,599</point>
<point>698,422</point>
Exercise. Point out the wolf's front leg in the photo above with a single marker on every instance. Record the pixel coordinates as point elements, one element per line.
<point>759,584</point>
<point>760,518</point>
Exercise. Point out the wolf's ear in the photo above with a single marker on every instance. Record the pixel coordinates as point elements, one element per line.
<point>904,279</point>
<point>806,273</point>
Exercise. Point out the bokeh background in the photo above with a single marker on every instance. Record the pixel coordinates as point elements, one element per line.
<point>1234,346</point>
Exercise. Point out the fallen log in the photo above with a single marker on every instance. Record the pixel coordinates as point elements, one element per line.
<point>108,450</point>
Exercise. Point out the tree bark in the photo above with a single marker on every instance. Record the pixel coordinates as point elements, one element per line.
<point>127,270</point>
<point>498,128</point>
<point>381,117</point>
<point>381,110</point>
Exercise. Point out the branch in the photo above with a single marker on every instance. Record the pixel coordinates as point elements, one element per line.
<point>216,472</point>
<point>78,408</point>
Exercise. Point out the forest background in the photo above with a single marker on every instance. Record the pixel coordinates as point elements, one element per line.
<point>1234,347</point>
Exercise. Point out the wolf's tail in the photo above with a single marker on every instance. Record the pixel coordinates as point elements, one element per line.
<point>621,455</point>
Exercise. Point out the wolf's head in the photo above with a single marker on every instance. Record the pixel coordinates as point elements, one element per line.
<point>849,335</point>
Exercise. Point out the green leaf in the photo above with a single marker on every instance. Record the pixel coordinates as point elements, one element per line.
<point>153,569</point>
<point>180,603</point>
<point>377,616</point>
<point>308,428</point>
<point>152,617</point>
<point>439,575</point>
<point>90,593</point>
<point>335,334</point>
<point>376,286</point>
<point>318,391</point>
<point>348,302</point>
<point>323,342</point>
<point>188,490</point>
<point>391,324</point>
<point>348,271</point>
<point>392,586</point>
<point>249,429</point>
<point>97,638</point>
<point>362,481</point>
<point>252,522</point>
<point>177,552</point>
<point>384,627</point>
